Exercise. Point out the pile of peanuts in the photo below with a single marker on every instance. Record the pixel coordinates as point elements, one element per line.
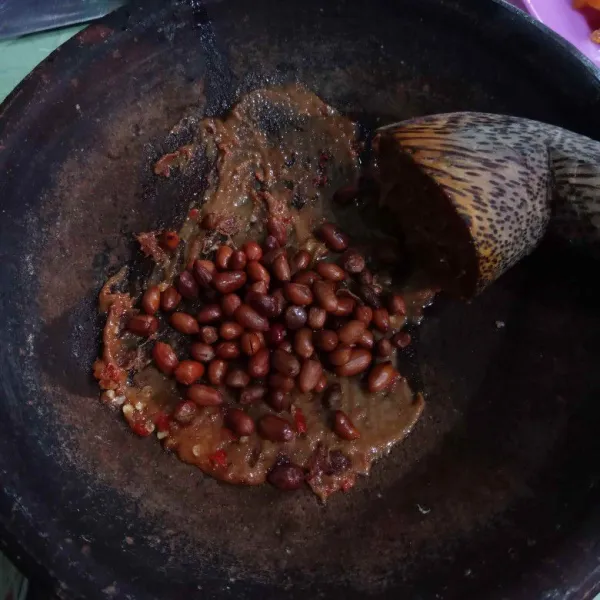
<point>271,322</point>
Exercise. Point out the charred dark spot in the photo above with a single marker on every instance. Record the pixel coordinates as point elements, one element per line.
<point>298,201</point>
<point>289,162</point>
<point>337,463</point>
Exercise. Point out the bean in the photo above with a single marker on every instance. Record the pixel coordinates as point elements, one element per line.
<point>281,268</point>
<point>287,477</point>
<point>306,277</point>
<point>277,381</point>
<point>345,195</point>
<point>222,257</point>
<point>263,304</point>
<point>187,286</point>
<point>345,306</point>
<point>280,301</point>
<point>279,400</point>
<point>381,319</point>
<point>384,348</point>
<point>298,294</point>
<point>168,240</point>
<point>276,334</point>
<point>369,295</point>
<point>343,426</point>
<point>335,239</point>
<point>185,412</point>
<point>276,228</point>
<point>248,318</point>
<point>227,350</point>
<point>257,272</point>
<point>301,260</point>
<point>237,378</point>
<point>351,332</point>
<point>204,395</point>
<point>253,251</point>
<point>230,281</point>
<point>325,295</point>
<point>286,345</point>
<point>261,287</point>
<point>184,323</point>
<point>259,364</point>
<point>353,262</point>
<point>365,277</point>
<point>340,356</point>
<point>151,300</point>
<point>252,394</point>
<point>295,317</point>
<point>210,221</point>
<point>238,260</point>
<point>381,377</point>
<point>239,422</point>
<point>229,303</point>
<point>326,340</point>
<point>310,374</point>
<point>250,343</point>
<point>165,358</point>
<point>360,359</point>
<point>303,345</point>
<point>188,371</point>
<point>396,305</point>
<point>316,317</point>
<point>275,429</point>
<point>285,363</point>
<point>321,384</point>
<point>202,352</point>
<point>269,258</point>
<point>209,334</point>
<point>332,398</point>
<point>143,325</point>
<point>366,340</point>
<point>169,299</point>
<point>209,265</point>
<point>209,314</point>
<point>203,272</point>
<point>364,314</point>
<point>401,339</point>
<point>217,369</point>
<point>230,330</point>
<point>270,243</point>
<point>330,271</point>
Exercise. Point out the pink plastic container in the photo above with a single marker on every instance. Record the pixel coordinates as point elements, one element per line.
<point>574,25</point>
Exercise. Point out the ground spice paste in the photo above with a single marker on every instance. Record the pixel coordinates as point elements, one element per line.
<point>264,345</point>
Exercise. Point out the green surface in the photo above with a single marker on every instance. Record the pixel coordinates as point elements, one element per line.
<point>18,57</point>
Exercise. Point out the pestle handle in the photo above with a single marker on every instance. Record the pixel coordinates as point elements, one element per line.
<point>507,179</point>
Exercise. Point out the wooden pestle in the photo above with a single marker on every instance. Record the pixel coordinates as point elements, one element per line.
<point>474,193</point>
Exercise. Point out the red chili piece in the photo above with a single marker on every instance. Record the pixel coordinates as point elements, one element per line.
<point>218,458</point>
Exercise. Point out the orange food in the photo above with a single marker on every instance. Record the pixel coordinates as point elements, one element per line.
<point>584,3</point>
<point>580,4</point>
